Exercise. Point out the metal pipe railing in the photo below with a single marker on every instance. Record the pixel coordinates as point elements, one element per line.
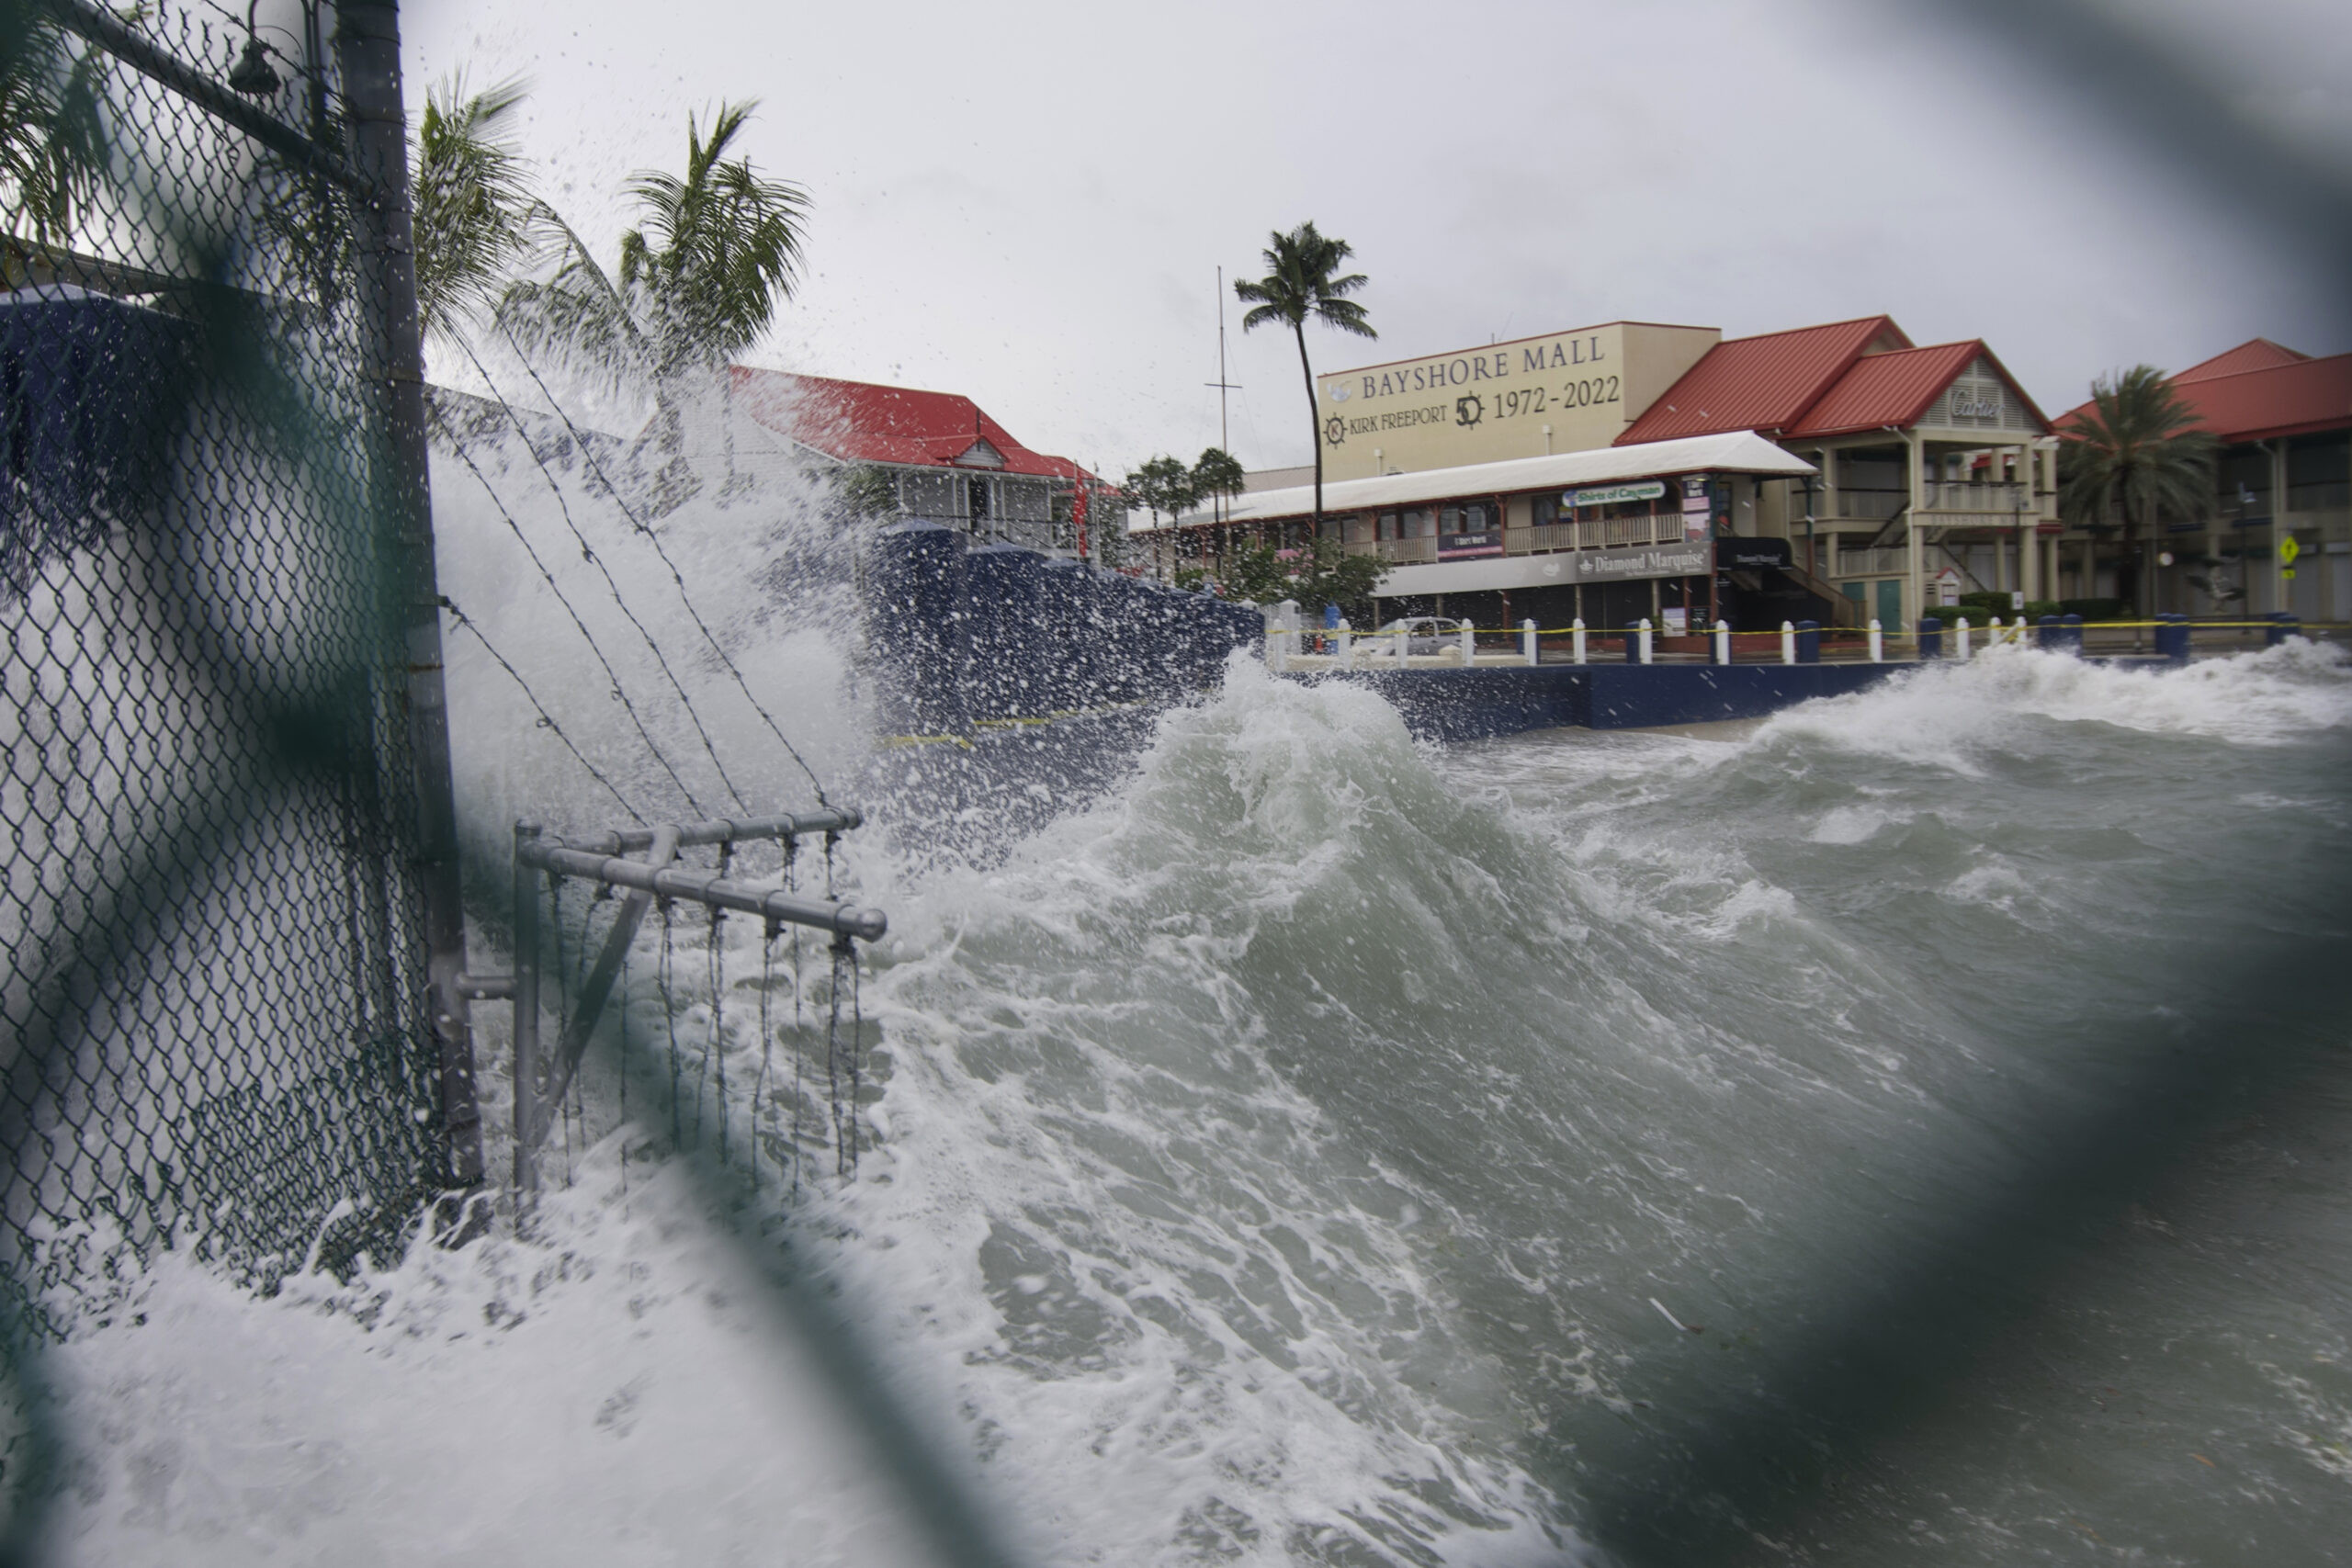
<point>701,887</point>
<point>723,830</point>
<point>542,1077</point>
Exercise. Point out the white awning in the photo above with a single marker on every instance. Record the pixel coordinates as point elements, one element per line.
<point>1734,452</point>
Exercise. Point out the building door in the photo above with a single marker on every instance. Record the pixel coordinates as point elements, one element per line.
<point>1890,603</point>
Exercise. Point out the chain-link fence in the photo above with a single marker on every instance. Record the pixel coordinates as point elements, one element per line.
<point>216,906</point>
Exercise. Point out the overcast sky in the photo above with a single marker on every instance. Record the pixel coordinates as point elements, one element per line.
<point>1028,202</point>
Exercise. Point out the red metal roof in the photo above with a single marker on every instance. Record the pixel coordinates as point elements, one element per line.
<point>1883,389</point>
<point>2294,397</point>
<point>2255,353</point>
<point>861,422</point>
<point>1764,383</point>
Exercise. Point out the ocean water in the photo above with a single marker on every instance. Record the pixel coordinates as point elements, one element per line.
<point>1912,1128</point>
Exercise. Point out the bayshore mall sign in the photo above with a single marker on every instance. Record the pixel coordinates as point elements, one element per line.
<point>1570,392</point>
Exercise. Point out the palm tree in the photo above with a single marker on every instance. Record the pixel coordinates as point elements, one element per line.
<point>1163,484</point>
<point>724,248</point>
<point>474,218</point>
<point>699,279</point>
<point>1299,285</point>
<point>1216,478</point>
<point>2135,453</point>
<point>52,140</point>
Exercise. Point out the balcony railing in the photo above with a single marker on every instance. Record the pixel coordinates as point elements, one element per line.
<point>1884,562</point>
<point>1870,505</point>
<point>1394,551</point>
<point>1601,533</point>
<point>1944,495</point>
<point>1617,531</point>
<point>1542,540</point>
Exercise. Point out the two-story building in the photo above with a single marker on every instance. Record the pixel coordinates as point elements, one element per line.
<point>1896,477</point>
<point>2284,420</point>
<point>934,455</point>
<point>1933,473</point>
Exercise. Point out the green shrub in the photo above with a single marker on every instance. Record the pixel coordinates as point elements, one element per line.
<point>2096,609</point>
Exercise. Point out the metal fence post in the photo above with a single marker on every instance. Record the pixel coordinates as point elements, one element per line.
<point>368,52</point>
<point>527,1011</point>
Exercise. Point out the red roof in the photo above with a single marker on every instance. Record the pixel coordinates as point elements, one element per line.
<point>1764,383</point>
<point>2255,353</point>
<point>862,423</point>
<point>2296,396</point>
<point>1895,390</point>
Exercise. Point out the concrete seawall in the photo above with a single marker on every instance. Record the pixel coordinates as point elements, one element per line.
<point>1477,704</point>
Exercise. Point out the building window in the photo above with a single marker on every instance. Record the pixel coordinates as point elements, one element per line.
<point>981,510</point>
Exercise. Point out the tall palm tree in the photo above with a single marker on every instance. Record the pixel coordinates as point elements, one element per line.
<point>718,249</point>
<point>2135,453</point>
<point>1299,285</point>
<point>474,217</point>
<point>699,278</point>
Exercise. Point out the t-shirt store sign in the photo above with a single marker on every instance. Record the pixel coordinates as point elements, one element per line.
<point>1614,495</point>
<point>1698,508</point>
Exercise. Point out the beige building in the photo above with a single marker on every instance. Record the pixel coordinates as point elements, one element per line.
<point>1570,391</point>
<point>1934,474</point>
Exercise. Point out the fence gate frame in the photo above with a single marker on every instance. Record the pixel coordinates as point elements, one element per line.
<point>373,171</point>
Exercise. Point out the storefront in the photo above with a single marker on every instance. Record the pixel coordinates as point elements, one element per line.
<point>1612,535</point>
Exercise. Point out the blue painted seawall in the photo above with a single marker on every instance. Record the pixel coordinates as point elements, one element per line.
<point>1478,704</point>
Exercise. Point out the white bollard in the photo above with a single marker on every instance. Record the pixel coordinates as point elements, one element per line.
<point>1469,644</point>
<point>1576,639</point>
<point>1723,642</point>
<point>1993,636</point>
<point>1877,644</point>
<point>1343,644</point>
<point>1527,640</point>
<point>1788,642</point>
<point>1644,627</point>
<point>1960,625</point>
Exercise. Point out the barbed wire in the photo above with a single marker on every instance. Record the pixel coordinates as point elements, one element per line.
<point>618,691</point>
<point>547,719</point>
<point>588,453</point>
<point>588,554</point>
